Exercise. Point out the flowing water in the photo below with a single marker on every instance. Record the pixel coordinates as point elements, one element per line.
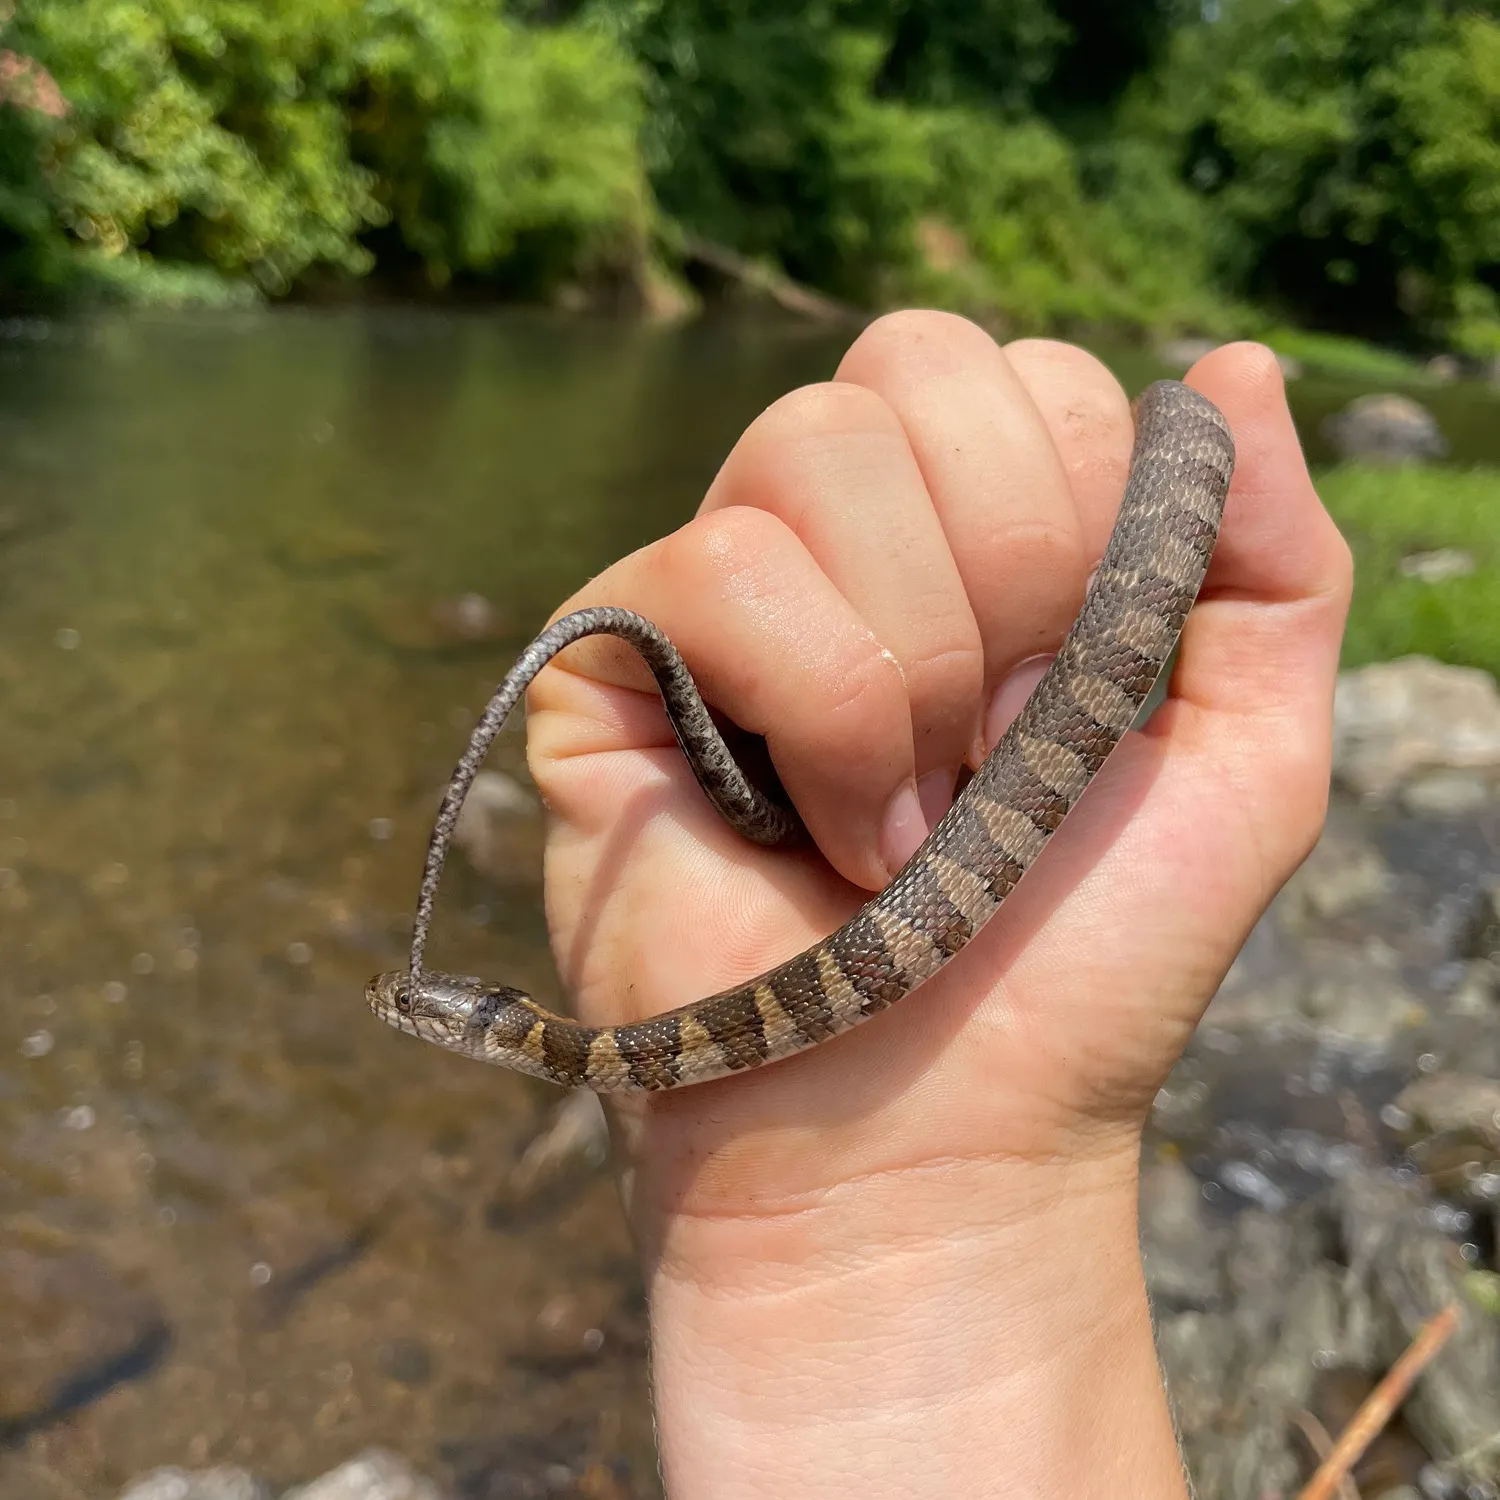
<point>239,1220</point>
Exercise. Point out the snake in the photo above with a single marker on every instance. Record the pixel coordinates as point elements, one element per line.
<point>1134,610</point>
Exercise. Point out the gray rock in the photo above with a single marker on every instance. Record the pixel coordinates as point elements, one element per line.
<point>1283,1324</point>
<point>1385,428</point>
<point>1458,1105</point>
<point>1444,368</point>
<point>1180,1250</point>
<point>1357,998</point>
<point>196,1484</point>
<point>374,1475</point>
<point>1478,992</point>
<point>1342,874</point>
<point>1273,1007</point>
<point>1340,1283</point>
<point>1197,1352</point>
<point>1409,1273</point>
<point>1446,794</point>
<point>1397,722</point>
<point>1438,566</point>
<point>1250,1183</point>
<point>1481,936</point>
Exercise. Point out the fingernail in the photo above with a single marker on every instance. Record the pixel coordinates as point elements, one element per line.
<point>1010,697</point>
<point>904,828</point>
<point>935,793</point>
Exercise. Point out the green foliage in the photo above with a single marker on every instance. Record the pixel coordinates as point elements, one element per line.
<point>849,140</point>
<point>262,140</point>
<point>1351,147</point>
<point>767,135</point>
<point>1037,249</point>
<point>1388,514</point>
<point>196,133</point>
<point>33,246</point>
<point>1053,163</point>
<point>490,142</point>
<point>987,52</point>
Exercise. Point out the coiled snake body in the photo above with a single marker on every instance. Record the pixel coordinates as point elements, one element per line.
<point>1137,603</point>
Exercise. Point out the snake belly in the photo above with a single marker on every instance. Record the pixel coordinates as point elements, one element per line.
<point>1137,603</point>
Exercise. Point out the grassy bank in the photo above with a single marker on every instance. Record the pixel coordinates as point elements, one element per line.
<point>1392,514</point>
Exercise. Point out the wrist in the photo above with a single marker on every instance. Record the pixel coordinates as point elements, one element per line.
<point>966,1327</point>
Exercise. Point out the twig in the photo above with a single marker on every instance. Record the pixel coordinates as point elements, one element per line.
<point>789,295</point>
<point>1380,1405</point>
<point>1322,1446</point>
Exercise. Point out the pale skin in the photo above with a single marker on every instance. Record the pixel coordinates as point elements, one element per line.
<point>905,1263</point>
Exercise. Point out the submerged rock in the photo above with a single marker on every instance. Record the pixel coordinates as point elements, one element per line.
<point>1387,429</point>
<point>576,1136</point>
<point>436,626</point>
<point>497,827</point>
<point>469,617</point>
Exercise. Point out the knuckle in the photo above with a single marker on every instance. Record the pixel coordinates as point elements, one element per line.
<point>865,686</point>
<point>719,552</point>
<point>948,671</point>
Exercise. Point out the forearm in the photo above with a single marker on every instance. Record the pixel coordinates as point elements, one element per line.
<point>990,1337</point>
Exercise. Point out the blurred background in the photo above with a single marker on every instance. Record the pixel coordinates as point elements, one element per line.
<point>339,341</point>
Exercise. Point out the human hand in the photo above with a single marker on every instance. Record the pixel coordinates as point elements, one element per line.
<point>884,1262</point>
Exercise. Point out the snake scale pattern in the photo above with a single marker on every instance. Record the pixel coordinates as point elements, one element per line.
<point>1135,609</point>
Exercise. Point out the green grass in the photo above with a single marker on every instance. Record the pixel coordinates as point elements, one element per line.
<point>1352,358</point>
<point>1387,514</point>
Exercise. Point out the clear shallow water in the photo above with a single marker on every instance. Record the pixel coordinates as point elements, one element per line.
<point>240,1221</point>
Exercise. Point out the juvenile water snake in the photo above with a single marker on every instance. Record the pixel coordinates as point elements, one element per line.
<point>1136,605</point>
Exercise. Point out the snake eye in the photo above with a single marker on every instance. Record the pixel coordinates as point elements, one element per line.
<point>403,1000</point>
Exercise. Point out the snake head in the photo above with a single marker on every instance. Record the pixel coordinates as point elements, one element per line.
<point>440,1012</point>
<point>455,1011</point>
